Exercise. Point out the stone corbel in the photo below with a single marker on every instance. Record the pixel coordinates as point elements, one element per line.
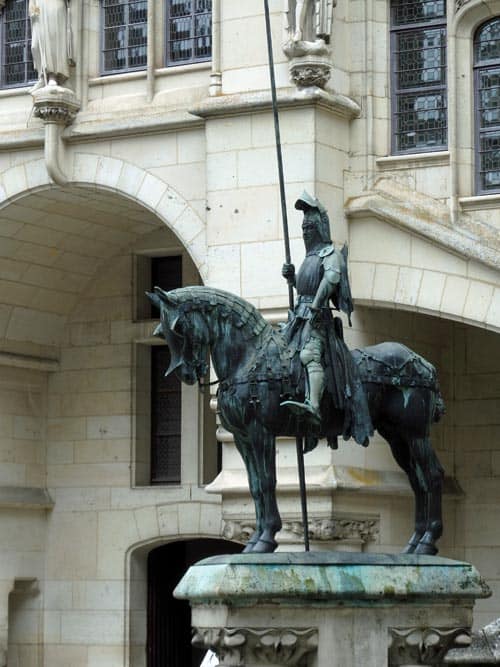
<point>424,646</point>
<point>57,107</point>
<point>248,647</point>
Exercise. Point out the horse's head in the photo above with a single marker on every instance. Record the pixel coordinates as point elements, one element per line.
<point>184,334</point>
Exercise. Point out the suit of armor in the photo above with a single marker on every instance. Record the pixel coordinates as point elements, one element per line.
<point>315,336</point>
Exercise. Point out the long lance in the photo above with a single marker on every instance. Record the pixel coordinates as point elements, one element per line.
<point>288,257</point>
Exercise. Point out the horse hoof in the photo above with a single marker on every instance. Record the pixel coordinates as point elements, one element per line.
<point>424,549</point>
<point>264,547</point>
<point>409,548</point>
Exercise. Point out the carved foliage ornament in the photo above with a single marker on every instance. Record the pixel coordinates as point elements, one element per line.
<point>424,646</point>
<point>327,530</point>
<point>235,647</point>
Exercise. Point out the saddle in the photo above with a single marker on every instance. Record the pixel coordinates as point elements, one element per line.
<point>394,364</point>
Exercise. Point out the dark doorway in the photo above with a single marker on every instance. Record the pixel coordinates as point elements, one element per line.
<point>169,620</point>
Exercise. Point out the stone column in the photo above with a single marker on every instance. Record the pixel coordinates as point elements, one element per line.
<point>331,609</point>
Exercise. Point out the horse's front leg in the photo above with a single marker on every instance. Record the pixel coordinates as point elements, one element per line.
<point>434,525</point>
<point>247,453</point>
<point>266,461</point>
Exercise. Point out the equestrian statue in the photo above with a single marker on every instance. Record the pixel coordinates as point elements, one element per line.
<point>301,380</point>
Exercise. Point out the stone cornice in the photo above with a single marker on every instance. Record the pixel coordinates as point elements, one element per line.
<point>24,497</point>
<point>238,103</point>
<point>413,212</point>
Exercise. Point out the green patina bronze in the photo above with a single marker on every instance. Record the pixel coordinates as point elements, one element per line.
<point>303,381</point>
<point>330,578</point>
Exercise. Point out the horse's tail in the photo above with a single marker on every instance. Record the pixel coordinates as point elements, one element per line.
<point>439,406</point>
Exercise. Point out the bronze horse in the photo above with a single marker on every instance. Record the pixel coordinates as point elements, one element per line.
<point>252,362</point>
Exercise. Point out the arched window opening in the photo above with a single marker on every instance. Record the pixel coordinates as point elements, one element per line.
<point>418,74</point>
<point>168,641</point>
<point>16,64</point>
<point>487,99</point>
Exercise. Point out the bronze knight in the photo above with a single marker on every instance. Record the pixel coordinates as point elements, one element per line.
<point>316,337</point>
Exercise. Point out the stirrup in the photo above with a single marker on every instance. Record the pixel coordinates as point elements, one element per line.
<point>304,410</point>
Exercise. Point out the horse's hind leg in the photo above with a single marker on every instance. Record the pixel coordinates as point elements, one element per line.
<point>402,451</point>
<point>434,474</point>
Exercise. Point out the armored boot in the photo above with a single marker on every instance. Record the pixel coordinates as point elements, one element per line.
<point>309,410</point>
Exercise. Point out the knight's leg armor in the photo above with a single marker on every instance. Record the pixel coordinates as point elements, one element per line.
<point>310,357</point>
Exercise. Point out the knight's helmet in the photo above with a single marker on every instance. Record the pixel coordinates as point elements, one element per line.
<point>305,203</point>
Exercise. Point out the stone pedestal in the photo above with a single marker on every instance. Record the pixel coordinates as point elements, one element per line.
<point>332,609</point>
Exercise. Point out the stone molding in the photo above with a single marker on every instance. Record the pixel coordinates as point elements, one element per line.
<point>24,497</point>
<point>236,647</point>
<point>229,105</point>
<point>424,646</point>
<point>335,529</point>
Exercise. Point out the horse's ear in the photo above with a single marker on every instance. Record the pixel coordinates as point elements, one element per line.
<point>170,305</point>
<point>154,298</point>
<point>166,297</point>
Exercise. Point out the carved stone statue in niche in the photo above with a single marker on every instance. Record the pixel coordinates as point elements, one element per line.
<point>309,25</point>
<point>51,43</point>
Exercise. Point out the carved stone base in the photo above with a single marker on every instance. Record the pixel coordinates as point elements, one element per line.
<point>55,104</point>
<point>236,647</point>
<point>331,609</point>
<point>424,646</point>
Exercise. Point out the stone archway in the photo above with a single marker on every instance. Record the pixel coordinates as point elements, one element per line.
<point>124,179</point>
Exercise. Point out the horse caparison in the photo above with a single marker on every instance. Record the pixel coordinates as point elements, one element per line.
<point>252,363</point>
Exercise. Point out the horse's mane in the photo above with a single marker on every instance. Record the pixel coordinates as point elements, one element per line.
<point>243,315</point>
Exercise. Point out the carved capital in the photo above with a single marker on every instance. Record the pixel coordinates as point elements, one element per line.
<point>424,646</point>
<point>54,104</point>
<point>305,74</point>
<point>236,647</point>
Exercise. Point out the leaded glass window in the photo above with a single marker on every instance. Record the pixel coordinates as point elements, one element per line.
<point>418,63</point>
<point>124,35</point>
<point>166,394</point>
<point>189,31</point>
<point>487,84</point>
<point>16,59</point>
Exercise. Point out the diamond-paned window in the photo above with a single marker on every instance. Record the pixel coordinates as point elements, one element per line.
<point>487,97</point>
<point>418,64</point>
<point>16,59</point>
<point>125,40</point>
<point>189,31</point>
